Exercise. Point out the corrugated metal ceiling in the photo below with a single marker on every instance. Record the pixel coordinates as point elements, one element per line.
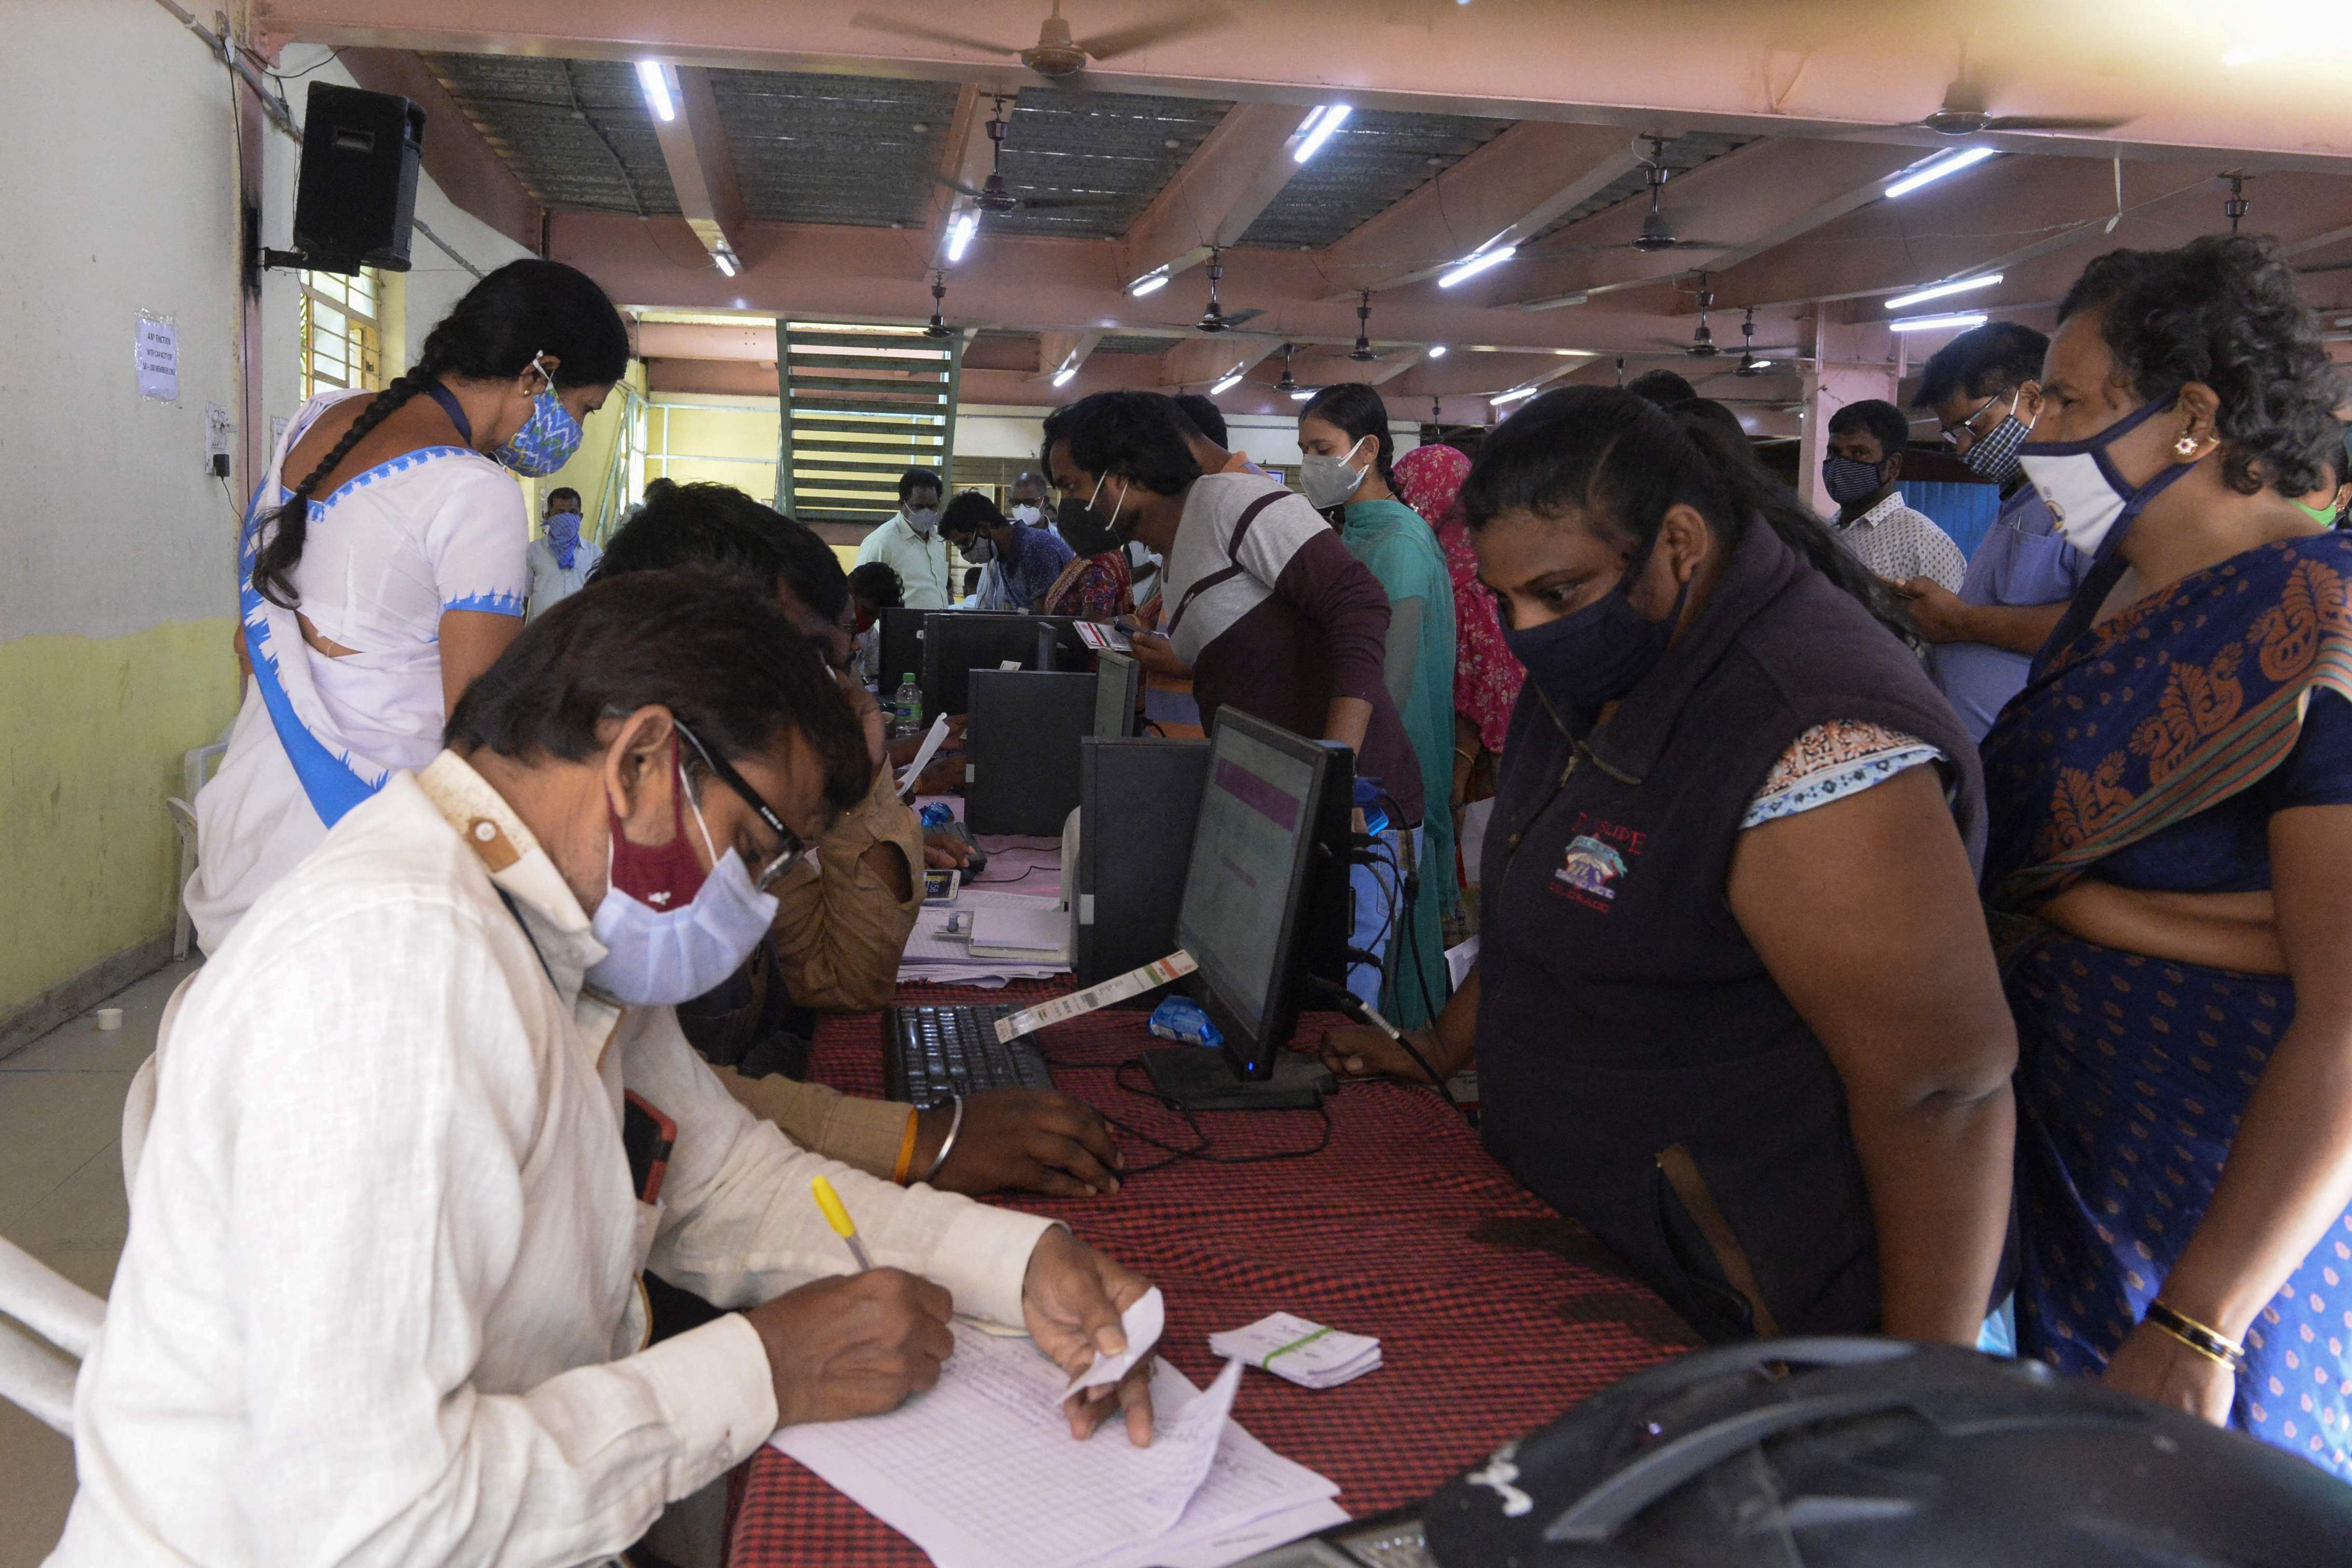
<point>575,132</point>
<point>1372,162</point>
<point>834,148</point>
<point>1115,147</point>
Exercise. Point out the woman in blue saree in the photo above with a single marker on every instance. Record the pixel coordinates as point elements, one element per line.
<point>2170,862</point>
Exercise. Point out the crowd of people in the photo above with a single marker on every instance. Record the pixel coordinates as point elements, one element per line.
<point>1873,940</point>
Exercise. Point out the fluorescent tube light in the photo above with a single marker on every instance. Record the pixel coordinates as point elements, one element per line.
<point>1228,384</point>
<point>1318,128</point>
<point>1151,282</point>
<point>1065,375</point>
<point>1514,395</point>
<point>1477,264</point>
<point>1437,350</point>
<point>1947,163</point>
<point>960,234</point>
<point>1302,394</point>
<point>655,82</point>
<point>1937,323</point>
<point>727,267</point>
<point>1938,290</point>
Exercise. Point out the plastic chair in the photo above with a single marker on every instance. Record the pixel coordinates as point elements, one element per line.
<point>193,768</point>
<point>57,1313</point>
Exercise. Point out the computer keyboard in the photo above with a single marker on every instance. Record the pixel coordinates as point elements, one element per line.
<point>931,1055</point>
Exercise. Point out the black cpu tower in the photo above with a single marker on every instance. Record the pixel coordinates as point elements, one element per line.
<point>355,200</point>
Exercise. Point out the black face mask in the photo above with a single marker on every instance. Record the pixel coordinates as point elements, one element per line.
<point>1086,530</point>
<point>1585,661</point>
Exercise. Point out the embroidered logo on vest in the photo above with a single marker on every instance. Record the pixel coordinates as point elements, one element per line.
<point>1595,861</point>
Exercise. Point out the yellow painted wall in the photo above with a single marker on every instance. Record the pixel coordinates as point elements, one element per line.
<point>91,734</point>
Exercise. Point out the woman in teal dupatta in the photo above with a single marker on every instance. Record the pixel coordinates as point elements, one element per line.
<point>2170,864</point>
<point>1343,433</point>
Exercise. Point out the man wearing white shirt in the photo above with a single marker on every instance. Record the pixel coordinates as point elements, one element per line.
<point>380,1303</point>
<point>910,543</point>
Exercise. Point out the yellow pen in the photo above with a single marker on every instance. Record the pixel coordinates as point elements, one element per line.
<point>838,1218</point>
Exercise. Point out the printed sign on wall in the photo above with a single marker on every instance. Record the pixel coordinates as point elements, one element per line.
<point>159,358</point>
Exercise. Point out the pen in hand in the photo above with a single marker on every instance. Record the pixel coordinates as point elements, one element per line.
<point>837,1217</point>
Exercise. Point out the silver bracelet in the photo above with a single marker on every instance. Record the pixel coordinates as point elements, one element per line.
<point>947,1149</point>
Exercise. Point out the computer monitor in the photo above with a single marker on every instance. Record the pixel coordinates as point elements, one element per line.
<point>1117,679</point>
<point>958,641</point>
<point>1269,803</point>
<point>902,648</point>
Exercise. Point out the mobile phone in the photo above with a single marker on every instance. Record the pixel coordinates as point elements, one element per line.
<point>648,1136</point>
<point>940,886</point>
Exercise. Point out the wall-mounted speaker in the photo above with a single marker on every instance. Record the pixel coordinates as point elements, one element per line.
<point>355,200</point>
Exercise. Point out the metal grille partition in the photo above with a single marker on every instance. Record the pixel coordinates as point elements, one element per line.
<point>861,404</point>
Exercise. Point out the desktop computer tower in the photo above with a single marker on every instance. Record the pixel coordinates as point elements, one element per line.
<point>1139,802</point>
<point>1023,740</point>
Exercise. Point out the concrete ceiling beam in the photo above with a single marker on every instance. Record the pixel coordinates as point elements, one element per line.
<point>1503,194</point>
<point>1799,67</point>
<point>1059,352</point>
<point>701,165</point>
<point>1201,362</point>
<point>1239,166</point>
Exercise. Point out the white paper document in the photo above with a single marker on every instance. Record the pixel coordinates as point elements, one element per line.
<point>982,1471</point>
<point>1301,1351</point>
<point>923,755</point>
<point>1038,934</point>
<point>935,956</point>
<point>1144,1323</point>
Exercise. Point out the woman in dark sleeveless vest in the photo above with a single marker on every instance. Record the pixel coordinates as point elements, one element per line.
<point>1736,1010</point>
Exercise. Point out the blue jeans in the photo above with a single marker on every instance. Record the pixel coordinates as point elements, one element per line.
<point>1377,894</point>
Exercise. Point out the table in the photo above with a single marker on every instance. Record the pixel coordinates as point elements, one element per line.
<point>1495,1315</point>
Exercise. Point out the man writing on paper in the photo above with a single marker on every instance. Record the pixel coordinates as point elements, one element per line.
<point>423,1118</point>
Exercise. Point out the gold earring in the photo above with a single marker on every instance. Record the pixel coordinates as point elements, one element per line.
<point>2186,447</point>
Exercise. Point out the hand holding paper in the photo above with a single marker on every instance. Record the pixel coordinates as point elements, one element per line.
<point>1072,1299</point>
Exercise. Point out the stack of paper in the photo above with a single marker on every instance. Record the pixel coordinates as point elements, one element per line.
<point>934,956</point>
<point>1303,1352</point>
<point>982,1471</point>
<point>1039,936</point>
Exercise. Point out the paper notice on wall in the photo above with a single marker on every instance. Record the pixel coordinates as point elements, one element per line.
<point>158,350</point>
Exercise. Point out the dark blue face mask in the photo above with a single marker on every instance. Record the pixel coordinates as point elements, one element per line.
<point>1849,479</point>
<point>1585,661</point>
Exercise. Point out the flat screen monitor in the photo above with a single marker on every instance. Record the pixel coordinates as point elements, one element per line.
<point>1117,681</point>
<point>1245,889</point>
<point>958,641</point>
<point>902,648</point>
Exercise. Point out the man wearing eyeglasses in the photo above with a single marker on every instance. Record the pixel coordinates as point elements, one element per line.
<point>416,1129</point>
<point>1984,388</point>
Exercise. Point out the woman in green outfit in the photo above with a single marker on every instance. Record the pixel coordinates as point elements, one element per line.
<point>1343,435</point>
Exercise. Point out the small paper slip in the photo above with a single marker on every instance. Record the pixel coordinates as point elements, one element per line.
<point>1301,1352</point>
<point>923,755</point>
<point>1144,1324</point>
<point>1038,934</point>
<point>982,1471</point>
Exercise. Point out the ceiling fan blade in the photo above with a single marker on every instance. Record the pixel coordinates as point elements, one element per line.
<point>1062,203</point>
<point>1127,40</point>
<point>959,187</point>
<point>875,23</point>
<point>2055,122</point>
<point>2327,266</point>
<point>1235,318</point>
<point>1704,245</point>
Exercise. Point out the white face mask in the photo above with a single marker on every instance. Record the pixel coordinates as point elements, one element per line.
<point>1330,481</point>
<point>1028,513</point>
<point>980,552</point>
<point>922,519</point>
<point>658,957</point>
<point>2087,497</point>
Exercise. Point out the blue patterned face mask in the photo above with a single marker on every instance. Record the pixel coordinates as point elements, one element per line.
<point>547,439</point>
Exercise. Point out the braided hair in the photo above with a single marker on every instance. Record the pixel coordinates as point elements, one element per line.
<point>504,323</point>
<point>1358,411</point>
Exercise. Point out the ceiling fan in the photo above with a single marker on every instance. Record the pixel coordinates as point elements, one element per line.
<point>939,326</point>
<point>1217,319</point>
<point>993,195</point>
<point>1362,353</point>
<point>1963,113</point>
<point>1056,56</point>
<point>1753,360</point>
<point>1288,384</point>
<point>1657,229</point>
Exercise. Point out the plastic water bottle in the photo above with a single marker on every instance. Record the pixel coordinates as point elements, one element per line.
<point>909,705</point>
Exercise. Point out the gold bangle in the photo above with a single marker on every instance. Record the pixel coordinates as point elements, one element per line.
<point>907,1147</point>
<point>2209,1343</point>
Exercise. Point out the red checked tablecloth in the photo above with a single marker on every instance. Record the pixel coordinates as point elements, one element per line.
<point>1494,1314</point>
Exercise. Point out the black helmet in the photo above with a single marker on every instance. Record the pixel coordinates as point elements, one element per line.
<point>1810,1453</point>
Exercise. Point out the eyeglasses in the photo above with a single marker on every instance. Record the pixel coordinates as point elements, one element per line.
<point>1951,432</point>
<point>721,770</point>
